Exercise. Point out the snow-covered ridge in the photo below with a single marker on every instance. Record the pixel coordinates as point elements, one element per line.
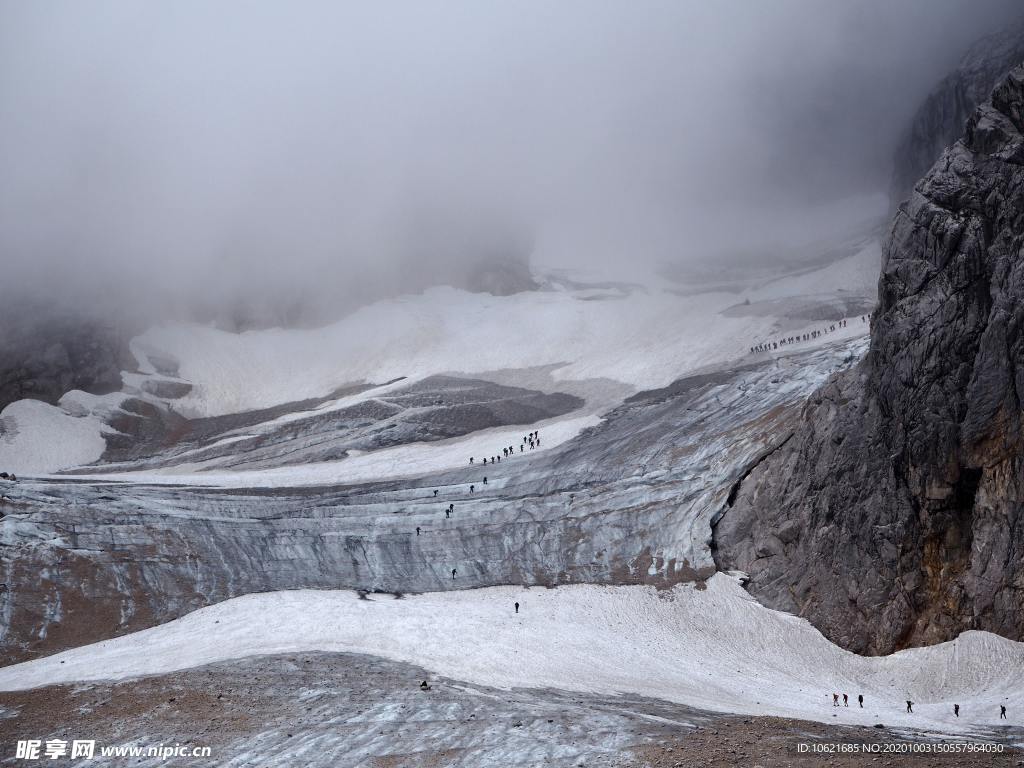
<point>710,647</point>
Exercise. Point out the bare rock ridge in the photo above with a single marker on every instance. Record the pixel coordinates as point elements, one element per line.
<point>940,119</point>
<point>894,516</point>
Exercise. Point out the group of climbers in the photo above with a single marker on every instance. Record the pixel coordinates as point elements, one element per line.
<point>532,439</point>
<point>910,705</point>
<point>769,346</point>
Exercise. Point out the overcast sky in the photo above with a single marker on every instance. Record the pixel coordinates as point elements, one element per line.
<point>206,148</point>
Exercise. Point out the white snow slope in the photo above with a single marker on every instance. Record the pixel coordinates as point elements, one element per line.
<point>640,337</point>
<point>715,649</point>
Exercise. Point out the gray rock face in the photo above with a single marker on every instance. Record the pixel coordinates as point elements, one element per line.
<point>941,118</point>
<point>45,353</point>
<point>893,515</point>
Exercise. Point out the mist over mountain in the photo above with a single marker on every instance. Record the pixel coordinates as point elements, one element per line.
<point>304,160</point>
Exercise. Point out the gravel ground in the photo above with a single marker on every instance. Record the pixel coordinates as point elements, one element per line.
<point>350,710</point>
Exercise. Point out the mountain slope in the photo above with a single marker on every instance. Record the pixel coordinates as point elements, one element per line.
<point>940,120</point>
<point>893,516</point>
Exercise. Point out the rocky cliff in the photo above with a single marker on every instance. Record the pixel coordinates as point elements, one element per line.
<point>893,515</point>
<point>940,120</point>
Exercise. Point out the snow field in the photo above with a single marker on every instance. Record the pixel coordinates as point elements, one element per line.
<point>36,436</point>
<point>642,337</point>
<point>715,649</point>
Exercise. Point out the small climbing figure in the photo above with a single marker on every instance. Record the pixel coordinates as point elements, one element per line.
<point>451,507</point>
<point>472,488</point>
<point>485,461</point>
<point>910,706</point>
<point>470,459</point>
<point>860,700</point>
<point>520,449</point>
<point>435,493</point>
<point>571,497</point>
<point>453,574</point>
<point>417,530</point>
<point>485,479</point>
<point>424,686</point>
<point>1002,712</point>
<point>517,607</point>
<point>835,699</point>
<point>447,514</point>
<point>846,701</point>
<point>956,710</point>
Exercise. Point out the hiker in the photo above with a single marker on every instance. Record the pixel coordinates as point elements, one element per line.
<point>417,530</point>
<point>470,459</point>
<point>472,488</point>
<point>517,607</point>
<point>435,493</point>
<point>424,686</point>
<point>453,574</point>
<point>1002,712</point>
<point>910,706</point>
<point>571,497</point>
<point>956,710</point>
<point>485,461</point>
<point>520,449</point>
<point>846,701</point>
<point>485,479</point>
<point>835,699</point>
<point>447,514</point>
<point>451,507</point>
<point>860,700</point>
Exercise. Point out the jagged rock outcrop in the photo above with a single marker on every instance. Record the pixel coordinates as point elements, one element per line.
<point>894,514</point>
<point>940,120</point>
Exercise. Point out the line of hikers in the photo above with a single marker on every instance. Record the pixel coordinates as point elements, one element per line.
<point>532,439</point>
<point>910,705</point>
<point>769,346</point>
